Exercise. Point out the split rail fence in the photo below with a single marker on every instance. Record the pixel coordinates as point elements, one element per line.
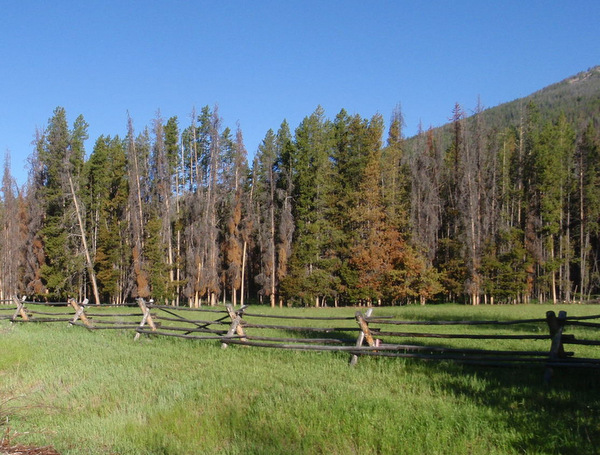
<point>360,335</point>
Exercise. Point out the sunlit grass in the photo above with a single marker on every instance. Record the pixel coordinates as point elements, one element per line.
<point>101,392</point>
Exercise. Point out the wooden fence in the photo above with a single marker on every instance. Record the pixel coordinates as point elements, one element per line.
<point>361,335</point>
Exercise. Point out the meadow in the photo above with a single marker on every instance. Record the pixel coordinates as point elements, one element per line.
<point>103,393</point>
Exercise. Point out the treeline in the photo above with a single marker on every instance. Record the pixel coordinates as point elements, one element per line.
<point>328,214</point>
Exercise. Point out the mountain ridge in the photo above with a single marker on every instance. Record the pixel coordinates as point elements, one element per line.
<point>577,96</point>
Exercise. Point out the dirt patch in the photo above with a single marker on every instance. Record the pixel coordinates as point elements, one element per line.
<point>6,449</point>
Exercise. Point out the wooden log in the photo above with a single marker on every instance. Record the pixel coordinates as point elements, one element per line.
<point>97,322</point>
<point>43,320</point>
<point>299,347</point>
<point>232,329</point>
<point>576,361</point>
<point>177,335</point>
<point>182,308</point>
<point>204,323</point>
<point>196,322</point>
<point>236,324</point>
<point>236,315</point>
<point>199,324</point>
<point>557,351</point>
<point>80,313</point>
<point>462,335</point>
<point>47,313</point>
<point>115,315</point>
<point>116,327</point>
<point>193,329</point>
<point>376,351</point>
<point>562,363</point>
<point>313,318</point>
<point>379,320</point>
<point>566,340</point>
<point>301,329</point>
<point>20,311</point>
<point>61,304</point>
<point>107,327</point>
<point>147,318</point>
<point>361,336</point>
<point>556,327</point>
<point>570,319</point>
<point>297,340</point>
<point>96,307</point>
<point>593,325</point>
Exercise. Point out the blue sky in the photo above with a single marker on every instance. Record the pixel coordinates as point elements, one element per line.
<point>264,61</point>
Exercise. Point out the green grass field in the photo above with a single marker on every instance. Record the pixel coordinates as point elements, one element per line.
<point>102,393</point>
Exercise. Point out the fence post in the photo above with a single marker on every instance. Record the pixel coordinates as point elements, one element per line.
<point>365,332</point>
<point>236,321</point>
<point>557,350</point>
<point>20,309</point>
<point>80,312</point>
<point>147,317</point>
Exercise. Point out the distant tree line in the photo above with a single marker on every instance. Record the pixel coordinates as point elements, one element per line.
<point>328,214</point>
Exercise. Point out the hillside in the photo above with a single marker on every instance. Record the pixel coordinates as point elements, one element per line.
<point>577,96</point>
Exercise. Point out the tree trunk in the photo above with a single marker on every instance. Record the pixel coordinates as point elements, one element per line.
<point>243,274</point>
<point>90,265</point>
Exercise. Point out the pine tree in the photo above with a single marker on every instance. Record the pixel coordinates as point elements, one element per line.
<point>203,260</point>
<point>160,250</point>
<point>553,172</point>
<point>588,171</point>
<point>108,191</point>
<point>61,157</point>
<point>31,216</point>
<point>451,261</point>
<point>137,152</point>
<point>264,187</point>
<point>234,188</point>
<point>285,191</point>
<point>425,166</point>
<point>475,198</point>
<point>11,241</point>
<point>387,268</point>
<point>314,265</point>
<point>175,163</point>
<point>394,172</point>
<point>355,140</point>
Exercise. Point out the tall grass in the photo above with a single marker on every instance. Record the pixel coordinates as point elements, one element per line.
<point>101,392</point>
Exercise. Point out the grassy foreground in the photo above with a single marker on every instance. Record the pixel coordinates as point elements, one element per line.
<point>102,393</point>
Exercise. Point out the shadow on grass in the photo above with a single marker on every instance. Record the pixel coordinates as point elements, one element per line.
<point>562,417</point>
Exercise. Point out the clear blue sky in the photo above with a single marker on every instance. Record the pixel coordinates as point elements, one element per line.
<point>263,61</point>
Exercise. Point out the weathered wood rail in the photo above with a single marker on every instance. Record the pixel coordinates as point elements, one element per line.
<point>493,343</point>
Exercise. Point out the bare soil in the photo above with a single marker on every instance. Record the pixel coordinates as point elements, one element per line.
<point>7,449</point>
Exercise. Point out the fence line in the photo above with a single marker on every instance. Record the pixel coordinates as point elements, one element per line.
<point>364,335</point>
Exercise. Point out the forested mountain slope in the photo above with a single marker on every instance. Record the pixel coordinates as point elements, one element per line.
<point>578,97</point>
<point>517,190</point>
<point>502,206</point>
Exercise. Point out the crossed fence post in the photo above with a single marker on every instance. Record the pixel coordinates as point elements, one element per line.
<point>365,333</point>
<point>147,317</point>
<point>80,312</point>
<point>20,309</point>
<point>236,324</point>
<point>556,326</point>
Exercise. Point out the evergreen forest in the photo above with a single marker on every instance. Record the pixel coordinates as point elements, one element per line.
<point>500,205</point>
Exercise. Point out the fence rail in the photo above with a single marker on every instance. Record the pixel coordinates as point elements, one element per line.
<point>361,335</point>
